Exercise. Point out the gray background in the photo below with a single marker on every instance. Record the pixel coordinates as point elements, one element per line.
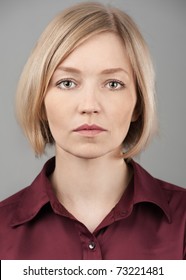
<point>163,24</point>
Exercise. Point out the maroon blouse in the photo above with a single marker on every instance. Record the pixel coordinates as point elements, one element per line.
<point>149,222</point>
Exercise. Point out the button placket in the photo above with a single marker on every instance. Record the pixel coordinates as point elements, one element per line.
<point>90,245</point>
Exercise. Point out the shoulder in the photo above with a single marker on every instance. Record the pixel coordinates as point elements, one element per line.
<point>32,196</point>
<point>168,187</point>
<point>163,193</point>
<point>26,203</point>
<point>10,205</point>
<point>13,199</point>
<point>148,179</point>
<point>176,195</point>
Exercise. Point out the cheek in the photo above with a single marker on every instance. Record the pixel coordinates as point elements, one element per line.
<point>123,114</point>
<point>55,113</point>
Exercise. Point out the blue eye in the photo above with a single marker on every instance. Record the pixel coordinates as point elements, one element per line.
<point>66,84</point>
<point>115,85</point>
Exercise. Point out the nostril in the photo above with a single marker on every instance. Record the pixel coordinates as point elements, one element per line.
<point>88,111</point>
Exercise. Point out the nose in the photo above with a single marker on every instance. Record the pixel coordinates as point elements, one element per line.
<point>89,103</point>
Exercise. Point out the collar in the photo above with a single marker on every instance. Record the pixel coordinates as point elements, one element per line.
<point>149,189</point>
<point>31,199</point>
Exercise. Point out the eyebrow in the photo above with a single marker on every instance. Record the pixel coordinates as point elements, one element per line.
<point>69,69</point>
<point>106,71</point>
<point>114,70</point>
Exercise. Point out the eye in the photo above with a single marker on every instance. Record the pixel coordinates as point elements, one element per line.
<point>115,85</point>
<point>66,84</point>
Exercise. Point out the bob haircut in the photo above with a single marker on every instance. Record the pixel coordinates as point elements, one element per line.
<point>63,34</point>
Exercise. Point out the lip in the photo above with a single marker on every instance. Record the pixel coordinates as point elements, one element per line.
<point>89,130</point>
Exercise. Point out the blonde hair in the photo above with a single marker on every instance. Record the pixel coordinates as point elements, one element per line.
<point>65,32</point>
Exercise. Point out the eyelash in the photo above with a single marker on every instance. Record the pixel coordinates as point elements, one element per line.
<point>121,84</point>
<point>59,83</point>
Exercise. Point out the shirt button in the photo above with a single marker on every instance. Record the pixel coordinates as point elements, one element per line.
<point>92,245</point>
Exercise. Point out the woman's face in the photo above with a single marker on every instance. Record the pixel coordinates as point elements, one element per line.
<point>91,98</point>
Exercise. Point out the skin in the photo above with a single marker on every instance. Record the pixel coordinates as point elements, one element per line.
<point>90,175</point>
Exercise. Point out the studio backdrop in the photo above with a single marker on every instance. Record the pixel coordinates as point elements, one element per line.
<point>162,23</point>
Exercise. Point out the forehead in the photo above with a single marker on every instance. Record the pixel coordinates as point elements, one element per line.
<point>104,50</point>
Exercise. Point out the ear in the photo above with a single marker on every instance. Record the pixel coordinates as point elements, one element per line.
<point>136,113</point>
<point>43,113</point>
<point>135,116</point>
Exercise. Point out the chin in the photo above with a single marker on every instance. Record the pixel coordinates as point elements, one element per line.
<point>91,153</point>
<point>88,155</point>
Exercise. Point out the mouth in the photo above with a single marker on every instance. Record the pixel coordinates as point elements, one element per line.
<point>89,130</point>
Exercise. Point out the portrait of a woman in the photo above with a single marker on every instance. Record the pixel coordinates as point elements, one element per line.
<point>88,88</point>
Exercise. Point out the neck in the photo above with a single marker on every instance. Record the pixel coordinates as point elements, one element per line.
<point>89,184</point>
<point>81,177</point>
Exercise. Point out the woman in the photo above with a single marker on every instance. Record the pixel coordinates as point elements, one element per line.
<point>88,88</point>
